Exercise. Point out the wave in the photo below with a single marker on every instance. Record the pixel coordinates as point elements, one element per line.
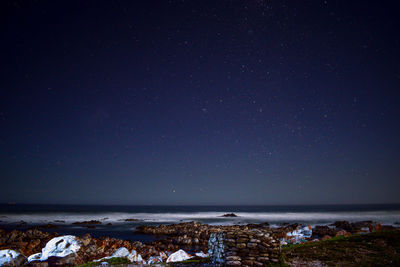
<point>385,217</point>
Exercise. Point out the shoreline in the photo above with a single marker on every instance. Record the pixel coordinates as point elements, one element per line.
<point>234,244</point>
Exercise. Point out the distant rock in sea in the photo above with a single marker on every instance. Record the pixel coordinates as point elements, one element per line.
<point>87,222</point>
<point>229,215</point>
<point>128,220</point>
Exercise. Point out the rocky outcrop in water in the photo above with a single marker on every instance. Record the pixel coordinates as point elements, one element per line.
<point>229,215</point>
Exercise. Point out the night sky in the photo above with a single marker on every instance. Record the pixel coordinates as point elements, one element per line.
<point>200,102</point>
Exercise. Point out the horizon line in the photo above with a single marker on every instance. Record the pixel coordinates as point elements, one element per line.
<point>198,205</point>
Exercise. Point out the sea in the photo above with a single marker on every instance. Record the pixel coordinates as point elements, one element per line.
<point>121,221</point>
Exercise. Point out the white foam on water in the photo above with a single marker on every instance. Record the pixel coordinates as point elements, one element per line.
<point>385,217</point>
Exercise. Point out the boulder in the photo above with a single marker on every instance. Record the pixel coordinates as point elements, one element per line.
<point>10,257</point>
<point>180,255</point>
<point>60,247</point>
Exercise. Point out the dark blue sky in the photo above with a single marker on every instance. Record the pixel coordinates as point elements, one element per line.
<point>200,102</point>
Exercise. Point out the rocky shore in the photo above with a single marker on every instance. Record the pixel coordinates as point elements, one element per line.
<point>235,245</point>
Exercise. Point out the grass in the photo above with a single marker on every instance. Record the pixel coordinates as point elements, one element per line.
<point>120,261</point>
<point>112,261</point>
<point>291,246</point>
<point>195,260</point>
<point>374,249</point>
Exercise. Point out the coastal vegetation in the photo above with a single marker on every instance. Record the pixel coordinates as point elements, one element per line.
<point>373,249</point>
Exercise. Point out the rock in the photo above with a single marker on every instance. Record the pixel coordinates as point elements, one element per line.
<point>349,227</point>
<point>378,227</point>
<point>343,233</point>
<point>229,215</point>
<point>60,247</point>
<point>87,222</point>
<point>68,260</point>
<point>326,237</point>
<point>178,256</point>
<point>85,239</point>
<point>233,263</point>
<point>123,252</point>
<point>260,225</point>
<point>233,258</point>
<point>131,220</point>
<point>49,226</point>
<point>322,230</point>
<point>28,242</point>
<point>201,254</point>
<point>258,243</point>
<point>241,245</point>
<point>263,259</point>
<point>10,257</point>
<point>358,226</point>
<point>242,240</point>
<point>298,235</point>
<point>216,247</point>
<point>154,260</point>
<point>38,264</point>
<point>251,245</point>
<point>34,257</point>
<point>386,228</point>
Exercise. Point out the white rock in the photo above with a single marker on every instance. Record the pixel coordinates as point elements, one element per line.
<point>60,246</point>
<point>7,256</point>
<point>124,253</point>
<point>154,259</point>
<point>180,255</point>
<point>121,253</point>
<point>201,254</point>
<point>34,257</point>
<point>134,257</point>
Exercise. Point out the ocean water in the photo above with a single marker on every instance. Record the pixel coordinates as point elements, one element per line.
<point>64,215</point>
